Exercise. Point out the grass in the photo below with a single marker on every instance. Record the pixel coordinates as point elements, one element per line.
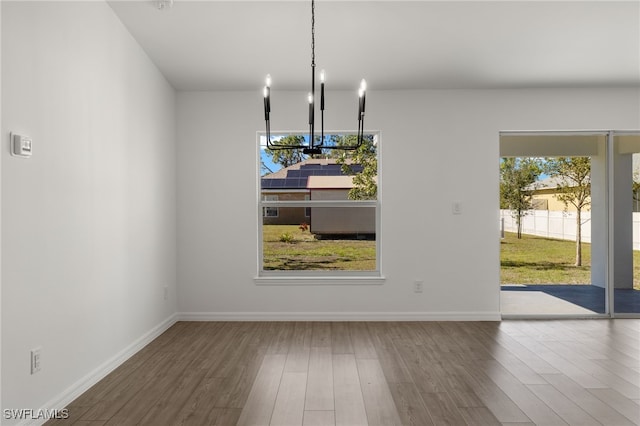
<point>304,252</point>
<point>530,260</point>
<point>537,260</point>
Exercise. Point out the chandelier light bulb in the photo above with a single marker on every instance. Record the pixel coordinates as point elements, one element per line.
<point>310,98</point>
<point>265,91</point>
<point>363,85</point>
<point>268,80</point>
<point>360,92</point>
<point>322,76</point>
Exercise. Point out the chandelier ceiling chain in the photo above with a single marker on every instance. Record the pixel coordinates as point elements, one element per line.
<point>313,33</point>
<point>313,147</point>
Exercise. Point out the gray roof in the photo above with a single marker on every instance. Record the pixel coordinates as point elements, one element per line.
<point>551,182</point>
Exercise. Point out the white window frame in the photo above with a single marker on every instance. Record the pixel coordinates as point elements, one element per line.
<point>286,277</point>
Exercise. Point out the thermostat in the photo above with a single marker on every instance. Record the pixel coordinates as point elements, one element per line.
<point>21,145</point>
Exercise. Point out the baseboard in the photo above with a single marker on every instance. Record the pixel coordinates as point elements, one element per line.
<point>82,385</point>
<point>339,316</point>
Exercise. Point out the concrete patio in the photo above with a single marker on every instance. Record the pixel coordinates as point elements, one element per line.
<point>564,299</point>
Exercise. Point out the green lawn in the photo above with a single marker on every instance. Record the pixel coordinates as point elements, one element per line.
<point>307,253</point>
<point>531,260</point>
<point>537,260</point>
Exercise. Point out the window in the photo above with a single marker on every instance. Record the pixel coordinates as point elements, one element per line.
<point>307,210</point>
<point>269,211</point>
<point>324,219</point>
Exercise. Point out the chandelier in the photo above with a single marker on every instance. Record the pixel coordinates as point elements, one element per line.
<point>314,147</point>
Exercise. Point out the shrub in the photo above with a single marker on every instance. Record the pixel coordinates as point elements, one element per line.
<point>286,238</point>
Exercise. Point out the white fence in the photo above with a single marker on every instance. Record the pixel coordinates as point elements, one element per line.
<point>560,225</point>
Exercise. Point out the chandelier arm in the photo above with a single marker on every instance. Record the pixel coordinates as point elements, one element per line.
<point>286,147</point>
<point>360,138</point>
<point>276,146</point>
<point>341,148</point>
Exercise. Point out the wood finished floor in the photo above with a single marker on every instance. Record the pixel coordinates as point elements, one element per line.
<point>582,372</point>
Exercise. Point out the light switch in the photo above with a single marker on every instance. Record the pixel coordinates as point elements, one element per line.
<point>21,146</point>
<point>456,207</point>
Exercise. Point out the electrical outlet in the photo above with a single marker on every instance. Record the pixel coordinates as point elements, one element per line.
<point>166,293</point>
<point>35,360</point>
<point>417,286</point>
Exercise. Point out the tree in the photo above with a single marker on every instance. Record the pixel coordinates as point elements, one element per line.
<point>287,157</point>
<point>365,186</point>
<point>517,183</point>
<point>574,187</point>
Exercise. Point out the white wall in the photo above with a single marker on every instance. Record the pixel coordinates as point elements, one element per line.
<point>437,147</point>
<point>89,222</point>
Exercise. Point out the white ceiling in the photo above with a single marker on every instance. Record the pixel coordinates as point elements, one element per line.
<point>232,45</point>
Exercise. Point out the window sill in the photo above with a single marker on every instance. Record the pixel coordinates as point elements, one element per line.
<point>335,280</point>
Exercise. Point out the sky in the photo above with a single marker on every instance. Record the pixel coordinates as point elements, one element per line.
<point>266,160</point>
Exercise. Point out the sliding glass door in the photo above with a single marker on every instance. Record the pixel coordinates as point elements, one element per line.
<point>625,218</point>
<point>569,231</point>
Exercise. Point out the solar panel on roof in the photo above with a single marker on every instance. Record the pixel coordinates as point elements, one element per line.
<point>291,183</point>
<point>293,173</point>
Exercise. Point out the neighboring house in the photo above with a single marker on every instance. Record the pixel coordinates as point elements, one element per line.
<point>545,191</point>
<point>544,196</point>
<point>359,221</point>
<point>290,184</point>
